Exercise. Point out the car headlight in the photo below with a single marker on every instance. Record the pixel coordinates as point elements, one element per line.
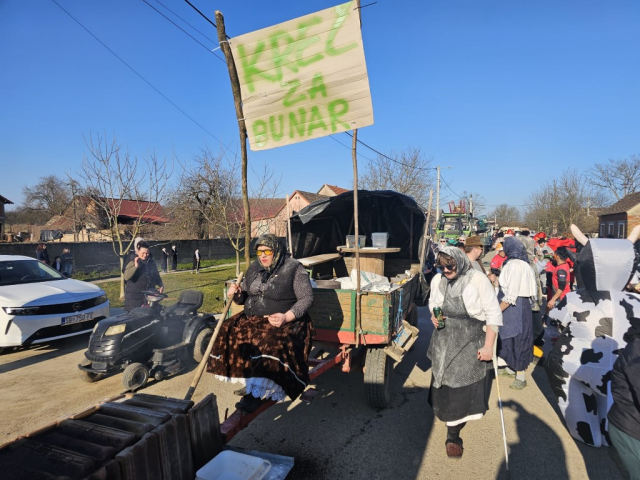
<point>116,329</point>
<point>100,300</point>
<point>21,310</point>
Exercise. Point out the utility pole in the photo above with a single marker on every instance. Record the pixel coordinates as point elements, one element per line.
<point>438,194</point>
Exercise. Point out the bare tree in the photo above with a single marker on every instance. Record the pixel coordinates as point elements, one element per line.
<point>563,201</point>
<point>618,178</point>
<point>212,191</point>
<point>408,172</point>
<point>110,176</point>
<point>505,215</point>
<point>50,195</point>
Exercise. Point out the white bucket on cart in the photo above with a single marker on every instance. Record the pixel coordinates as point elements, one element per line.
<point>379,239</point>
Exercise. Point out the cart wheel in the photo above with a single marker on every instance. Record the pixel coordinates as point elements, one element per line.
<point>88,376</point>
<point>378,377</point>
<point>201,343</point>
<point>135,376</point>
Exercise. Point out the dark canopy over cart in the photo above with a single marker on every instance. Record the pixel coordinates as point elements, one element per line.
<point>387,325</point>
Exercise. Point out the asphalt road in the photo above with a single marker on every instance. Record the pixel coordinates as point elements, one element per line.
<point>338,435</point>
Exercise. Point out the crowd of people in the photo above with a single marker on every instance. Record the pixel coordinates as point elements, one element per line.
<point>587,289</point>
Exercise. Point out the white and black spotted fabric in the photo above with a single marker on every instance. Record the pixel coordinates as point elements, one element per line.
<point>595,319</point>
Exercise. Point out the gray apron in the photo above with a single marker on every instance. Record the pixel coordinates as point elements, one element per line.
<point>453,351</point>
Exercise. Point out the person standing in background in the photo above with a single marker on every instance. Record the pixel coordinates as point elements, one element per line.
<point>67,262</point>
<point>174,258</point>
<point>57,264</point>
<point>42,255</point>
<point>165,260</point>
<point>196,261</point>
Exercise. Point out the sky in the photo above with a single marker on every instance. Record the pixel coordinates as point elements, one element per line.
<point>506,93</point>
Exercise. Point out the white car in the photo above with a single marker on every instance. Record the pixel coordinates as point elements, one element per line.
<point>38,304</point>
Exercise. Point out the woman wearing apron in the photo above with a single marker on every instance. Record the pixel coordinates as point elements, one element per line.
<point>461,351</point>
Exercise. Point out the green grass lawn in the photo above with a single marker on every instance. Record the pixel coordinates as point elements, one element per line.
<point>211,283</point>
<point>99,275</point>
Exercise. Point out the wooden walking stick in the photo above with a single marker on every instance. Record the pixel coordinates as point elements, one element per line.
<point>205,357</point>
<point>495,369</point>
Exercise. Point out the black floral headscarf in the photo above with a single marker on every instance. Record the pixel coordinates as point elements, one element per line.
<point>279,254</point>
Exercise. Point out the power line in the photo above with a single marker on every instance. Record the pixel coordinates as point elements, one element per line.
<point>449,187</point>
<point>203,15</point>
<point>134,71</point>
<point>167,8</point>
<point>185,32</point>
<point>387,157</point>
<point>347,146</point>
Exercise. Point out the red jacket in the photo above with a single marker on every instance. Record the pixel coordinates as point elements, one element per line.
<point>561,279</point>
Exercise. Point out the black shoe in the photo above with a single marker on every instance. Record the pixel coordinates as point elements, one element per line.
<point>249,403</point>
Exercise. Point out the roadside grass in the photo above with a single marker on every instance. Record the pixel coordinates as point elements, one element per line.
<point>104,274</point>
<point>211,283</point>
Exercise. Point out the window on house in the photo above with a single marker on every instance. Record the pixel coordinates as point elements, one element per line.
<point>621,229</point>
<point>610,231</point>
<point>602,229</point>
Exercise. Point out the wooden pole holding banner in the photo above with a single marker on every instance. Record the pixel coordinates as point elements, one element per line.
<point>354,158</point>
<point>357,233</point>
<point>207,352</point>
<point>237,99</point>
<point>289,228</point>
<point>425,235</point>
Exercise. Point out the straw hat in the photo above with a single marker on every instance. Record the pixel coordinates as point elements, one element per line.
<point>474,241</point>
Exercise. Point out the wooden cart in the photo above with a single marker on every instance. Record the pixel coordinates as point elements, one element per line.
<point>387,330</point>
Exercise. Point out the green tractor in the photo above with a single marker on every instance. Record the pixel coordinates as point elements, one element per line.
<point>459,222</point>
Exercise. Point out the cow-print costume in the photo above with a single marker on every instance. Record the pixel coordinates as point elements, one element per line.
<point>595,319</point>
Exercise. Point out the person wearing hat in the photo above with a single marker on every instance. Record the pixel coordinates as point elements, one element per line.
<point>474,248</point>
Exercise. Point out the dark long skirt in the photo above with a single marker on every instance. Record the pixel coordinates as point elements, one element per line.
<point>517,350</point>
<point>250,347</point>
<point>451,404</point>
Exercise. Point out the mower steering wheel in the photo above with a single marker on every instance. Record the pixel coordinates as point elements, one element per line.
<point>155,293</point>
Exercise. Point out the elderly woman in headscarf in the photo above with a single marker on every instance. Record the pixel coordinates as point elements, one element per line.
<point>518,290</point>
<point>266,346</point>
<point>460,351</point>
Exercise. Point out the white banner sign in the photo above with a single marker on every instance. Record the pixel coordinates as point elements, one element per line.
<point>303,79</point>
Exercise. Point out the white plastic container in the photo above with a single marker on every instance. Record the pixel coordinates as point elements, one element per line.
<point>229,465</point>
<point>379,239</point>
<point>351,241</point>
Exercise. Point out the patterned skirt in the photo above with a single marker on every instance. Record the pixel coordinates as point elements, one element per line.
<point>250,347</point>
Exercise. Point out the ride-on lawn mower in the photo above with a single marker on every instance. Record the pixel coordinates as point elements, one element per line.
<point>149,341</point>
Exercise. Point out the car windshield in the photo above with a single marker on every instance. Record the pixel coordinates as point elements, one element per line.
<point>15,272</point>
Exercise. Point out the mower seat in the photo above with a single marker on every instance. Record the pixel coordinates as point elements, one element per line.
<point>188,304</point>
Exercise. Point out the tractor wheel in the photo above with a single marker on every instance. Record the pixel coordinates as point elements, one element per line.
<point>88,376</point>
<point>135,376</point>
<point>201,343</point>
<point>378,377</point>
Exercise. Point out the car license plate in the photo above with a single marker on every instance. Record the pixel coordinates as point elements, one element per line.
<point>83,317</point>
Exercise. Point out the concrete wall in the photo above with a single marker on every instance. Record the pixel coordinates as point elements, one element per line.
<point>89,256</point>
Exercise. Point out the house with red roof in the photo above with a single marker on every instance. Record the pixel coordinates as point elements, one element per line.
<point>620,218</point>
<point>89,215</point>
<point>275,220</point>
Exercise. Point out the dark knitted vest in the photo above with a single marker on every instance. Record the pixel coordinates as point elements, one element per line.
<point>274,296</point>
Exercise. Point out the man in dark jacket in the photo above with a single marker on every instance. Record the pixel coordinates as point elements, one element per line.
<point>624,415</point>
<point>140,274</point>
